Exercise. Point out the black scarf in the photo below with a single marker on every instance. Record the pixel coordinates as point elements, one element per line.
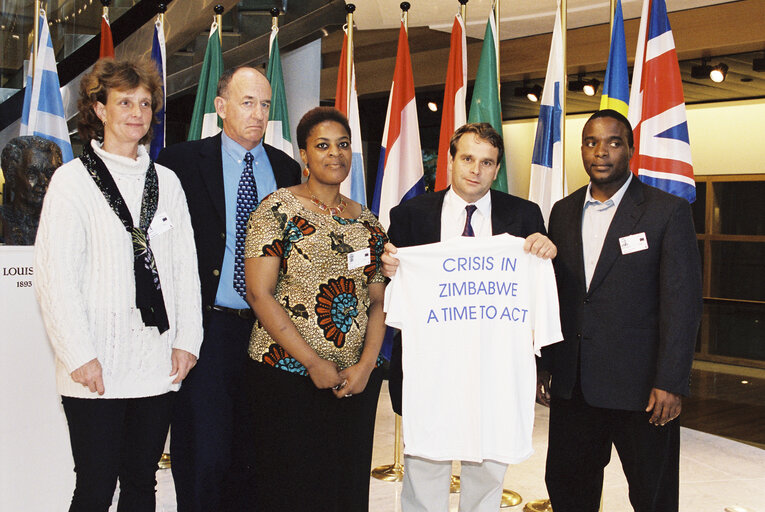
<point>148,291</point>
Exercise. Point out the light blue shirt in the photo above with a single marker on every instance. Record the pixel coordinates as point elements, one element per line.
<point>233,165</point>
<point>596,219</point>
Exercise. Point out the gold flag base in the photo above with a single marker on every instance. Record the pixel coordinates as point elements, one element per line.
<point>164,461</point>
<point>538,506</point>
<point>389,472</point>
<point>509,498</point>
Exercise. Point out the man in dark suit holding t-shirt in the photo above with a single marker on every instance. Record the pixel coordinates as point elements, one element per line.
<point>629,284</point>
<point>467,208</point>
<point>223,177</point>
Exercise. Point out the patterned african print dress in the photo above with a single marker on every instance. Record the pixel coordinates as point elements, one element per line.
<point>326,300</point>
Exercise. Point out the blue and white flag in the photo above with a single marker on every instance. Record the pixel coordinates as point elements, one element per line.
<point>158,56</point>
<point>547,184</point>
<point>43,111</point>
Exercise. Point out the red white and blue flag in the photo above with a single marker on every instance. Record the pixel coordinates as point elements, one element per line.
<point>453,113</point>
<point>657,108</point>
<point>399,173</point>
<point>354,186</point>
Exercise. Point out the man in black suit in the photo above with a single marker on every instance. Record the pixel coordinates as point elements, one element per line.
<point>629,284</point>
<point>210,171</point>
<point>467,208</point>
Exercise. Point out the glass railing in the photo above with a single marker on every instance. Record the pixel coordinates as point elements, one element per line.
<point>72,23</point>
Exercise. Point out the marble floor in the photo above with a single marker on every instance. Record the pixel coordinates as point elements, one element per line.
<point>716,474</point>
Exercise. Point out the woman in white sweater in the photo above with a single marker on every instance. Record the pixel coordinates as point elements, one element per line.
<point>118,287</point>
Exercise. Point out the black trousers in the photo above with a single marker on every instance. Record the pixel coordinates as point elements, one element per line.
<point>307,449</point>
<point>202,432</point>
<point>579,447</point>
<point>116,438</point>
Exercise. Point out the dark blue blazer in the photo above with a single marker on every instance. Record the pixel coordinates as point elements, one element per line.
<point>418,221</point>
<point>635,328</point>
<point>199,166</point>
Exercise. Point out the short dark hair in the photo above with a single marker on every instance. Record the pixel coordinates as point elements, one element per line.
<point>483,131</point>
<point>122,75</point>
<point>613,114</point>
<point>226,76</point>
<point>316,116</point>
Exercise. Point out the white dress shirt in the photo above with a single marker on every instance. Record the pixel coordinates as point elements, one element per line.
<point>453,216</point>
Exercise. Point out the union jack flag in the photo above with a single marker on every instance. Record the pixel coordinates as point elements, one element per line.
<point>657,108</point>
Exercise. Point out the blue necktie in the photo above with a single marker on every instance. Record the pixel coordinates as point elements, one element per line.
<point>468,231</point>
<point>246,202</point>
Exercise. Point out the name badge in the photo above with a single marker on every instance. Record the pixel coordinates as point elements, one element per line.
<point>159,225</point>
<point>360,258</point>
<point>633,243</point>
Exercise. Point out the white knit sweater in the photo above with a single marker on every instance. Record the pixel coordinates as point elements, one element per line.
<point>85,282</point>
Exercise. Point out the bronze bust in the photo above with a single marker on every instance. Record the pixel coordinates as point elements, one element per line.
<point>28,163</point>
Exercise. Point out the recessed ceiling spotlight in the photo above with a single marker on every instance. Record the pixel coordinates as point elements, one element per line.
<point>433,106</point>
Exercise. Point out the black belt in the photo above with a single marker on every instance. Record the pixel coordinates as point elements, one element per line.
<point>245,314</point>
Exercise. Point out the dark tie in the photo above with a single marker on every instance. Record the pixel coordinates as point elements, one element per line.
<point>246,202</point>
<point>469,210</point>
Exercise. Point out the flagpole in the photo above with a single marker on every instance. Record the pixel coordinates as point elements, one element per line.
<point>105,9</point>
<point>405,15</point>
<point>162,8</point>
<point>611,18</point>
<point>219,20</point>
<point>349,8</point>
<point>564,87</point>
<point>36,38</point>
<point>499,80</point>
<point>463,10</point>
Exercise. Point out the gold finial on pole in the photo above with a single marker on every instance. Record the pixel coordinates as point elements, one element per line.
<point>162,8</point>
<point>405,16</point>
<point>349,8</point>
<point>218,9</point>
<point>274,18</point>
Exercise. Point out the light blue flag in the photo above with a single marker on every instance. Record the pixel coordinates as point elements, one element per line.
<point>43,110</point>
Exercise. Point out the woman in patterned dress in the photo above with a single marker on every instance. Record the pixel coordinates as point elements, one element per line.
<point>314,280</point>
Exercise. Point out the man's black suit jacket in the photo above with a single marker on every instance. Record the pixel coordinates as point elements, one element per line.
<point>418,221</point>
<point>199,166</point>
<point>635,328</point>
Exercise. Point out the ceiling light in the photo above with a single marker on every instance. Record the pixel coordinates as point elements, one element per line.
<point>718,73</point>
<point>531,92</point>
<point>590,87</point>
<point>433,106</point>
<point>534,93</point>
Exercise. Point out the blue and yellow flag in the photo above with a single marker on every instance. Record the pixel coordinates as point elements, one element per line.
<point>616,87</point>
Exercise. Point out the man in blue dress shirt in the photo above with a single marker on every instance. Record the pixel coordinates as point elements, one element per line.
<point>224,177</point>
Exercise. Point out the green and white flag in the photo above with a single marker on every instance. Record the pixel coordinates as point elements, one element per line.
<point>204,119</point>
<point>485,106</point>
<point>278,129</point>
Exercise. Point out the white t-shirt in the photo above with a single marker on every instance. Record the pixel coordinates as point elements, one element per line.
<point>472,312</point>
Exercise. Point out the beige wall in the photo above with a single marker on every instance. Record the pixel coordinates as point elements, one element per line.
<point>726,138</point>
